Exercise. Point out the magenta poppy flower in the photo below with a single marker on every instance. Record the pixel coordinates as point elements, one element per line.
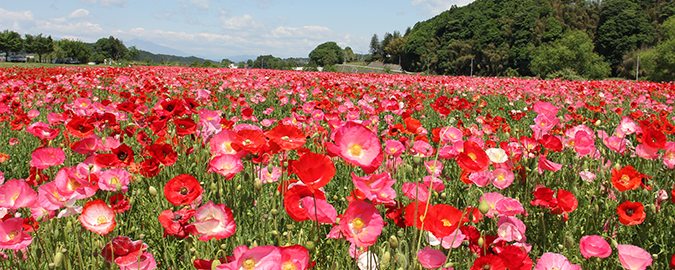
<point>481,178</point>
<point>110,178</point>
<point>634,258</point>
<point>509,206</point>
<point>226,165</point>
<point>594,246</point>
<point>294,257</point>
<point>324,212</point>
<point>545,164</point>
<point>361,224</point>
<point>491,199</point>
<point>555,261</point>
<point>12,235</point>
<point>42,131</point>
<point>376,187</point>
<point>213,221</point>
<point>393,148</point>
<point>502,178</point>
<point>511,229</point>
<point>434,167</point>
<point>16,193</point>
<point>224,143</point>
<point>431,258</point>
<point>416,191</point>
<point>44,158</point>
<point>262,257</point>
<point>357,145</point>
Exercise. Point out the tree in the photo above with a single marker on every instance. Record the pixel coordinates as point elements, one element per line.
<point>325,54</point>
<point>132,53</point>
<point>75,49</point>
<point>111,48</point>
<point>573,51</point>
<point>623,26</point>
<point>39,45</point>
<point>659,62</point>
<point>349,54</point>
<point>225,63</point>
<point>10,41</point>
<point>374,44</point>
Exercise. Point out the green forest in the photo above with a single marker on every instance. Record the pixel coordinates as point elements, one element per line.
<point>540,38</point>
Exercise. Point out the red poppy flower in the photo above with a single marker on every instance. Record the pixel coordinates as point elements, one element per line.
<point>473,158</point>
<point>80,127</point>
<point>175,223</point>
<point>654,138</point>
<point>626,178</point>
<point>251,140</point>
<point>446,220</point>
<point>185,126</point>
<point>123,251</point>
<point>489,262</point>
<point>293,201</point>
<point>174,107</point>
<point>566,201</point>
<point>287,137</point>
<point>164,153</point>
<point>143,138</point>
<point>119,203</point>
<point>631,213</point>
<point>515,258</point>
<point>315,170</point>
<point>551,142</point>
<point>412,124</point>
<point>395,130</point>
<point>420,215</point>
<point>182,189</point>
<point>150,167</point>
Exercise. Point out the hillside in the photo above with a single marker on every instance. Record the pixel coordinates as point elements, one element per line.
<point>163,58</point>
<point>501,35</point>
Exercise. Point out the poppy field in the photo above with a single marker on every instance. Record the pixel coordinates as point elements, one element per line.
<point>197,168</point>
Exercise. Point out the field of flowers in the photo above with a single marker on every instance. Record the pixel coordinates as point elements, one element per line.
<point>189,168</point>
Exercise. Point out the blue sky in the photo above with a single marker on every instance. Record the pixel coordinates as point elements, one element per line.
<point>217,29</point>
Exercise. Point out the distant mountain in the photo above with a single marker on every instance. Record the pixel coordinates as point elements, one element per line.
<point>165,58</point>
<point>154,48</point>
<point>239,58</point>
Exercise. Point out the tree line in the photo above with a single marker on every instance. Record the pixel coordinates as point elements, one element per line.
<point>542,38</point>
<point>49,50</point>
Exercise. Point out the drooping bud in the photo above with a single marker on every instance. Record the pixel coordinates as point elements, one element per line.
<point>393,242</point>
<point>484,207</point>
<point>152,190</point>
<point>58,258</point>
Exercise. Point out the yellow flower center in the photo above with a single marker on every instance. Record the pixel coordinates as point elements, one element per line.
<point>247,142</point>
<point>288,266</point>
<point>16,196</point>
<point>226,167</point>
<point>472,156</point>
<point>357,223</point>
<point>114,181</point>
<point>12,234</point>
<point>446,223</point>
<point>625,178</point>
<point>102,219</point>
<point>248,263</point>
<point>73,185</point>
<point>355,150</point>
<point>500,177</point>
<point>83,104</point>
<point>228,147</point>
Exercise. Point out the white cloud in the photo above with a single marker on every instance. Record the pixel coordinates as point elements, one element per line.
<point>80,13</point>
<point>16,20</point>
<point>86,31</point>
<point>435,7</point>
<point>240,23</point>
<point>105,3</point>
<point>311,31</point>
<point>203,4</point>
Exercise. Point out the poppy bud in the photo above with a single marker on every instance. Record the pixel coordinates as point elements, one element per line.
<point>285,164</point>
<point>58,258</point>
<point>38,253</point>
<point>569,241</point>
<point>400,233</point>
<point>238,188</point>
<point>270,168</point>
<point>257,184</point>
<point>247,177</point>
<point>596,209</point>
<point>393,242</point>
<point>274,212</point>
<point>214,187</point>
<point>215,264</point>
<point>192,250</point>
<point>309,245</point>
<point>152,190</point>
<point>651,208</point>
<point>141,236</point>
<point>443,195</point>
<point>484,207</point>
<point>448,265</point>
<point>481,241</point>
<point>417,160</point>
<point>274,232</point>
<point>614,243</point>
<point>69,226</point>
<point>118,187</point>
<point>384,263</point>
<point>223,246</point>
<point>645,192</point>
<point>597,123</point>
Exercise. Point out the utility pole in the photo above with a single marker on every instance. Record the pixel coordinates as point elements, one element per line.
<point>471,67</point>
<point>637,70</point>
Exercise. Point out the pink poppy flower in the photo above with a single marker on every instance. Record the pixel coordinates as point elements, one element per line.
<point>594,246</point>
<point>361,224</point>
<point>33,113</point>
<point>615,143</point>
<point>545,108</point>
<point>294,257</point>
<point>431,258</point>
<point>450,135</point>
<point>587,176</point>
<point>434,182</point>
<point>110,178</point>
<point>145,262</point>
<point>357,145</point>
<point>509,206</point>
<point>12,235</point>
<point>42,131</point>
<point>669,155</point>
<point>226,165</point>
<point>221,144</point>
<point>434,167</point>
<point>416,191</point>
<point>545,164</point>
<point>634,258</point>
<point>262,257</point>
<point>16,193</point>
<point>44,158</point>
<point>98,217</point>
<point>646,152</point>
<point>502,178</point>
<point>213,221</point>
<point>543,123</point>
<point>550,261</point>
<point>88,145</point>
<point>491,199</point>
<point>270,176</point>
<point>481,178</point>
<point>376,187</point>
<point>68,181</point>
<point>511,229</point>
<point>393,148</point>
<point>422,149</point>
<point>626,127</point>
<point>324,212</point>
<point>13,141</point>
